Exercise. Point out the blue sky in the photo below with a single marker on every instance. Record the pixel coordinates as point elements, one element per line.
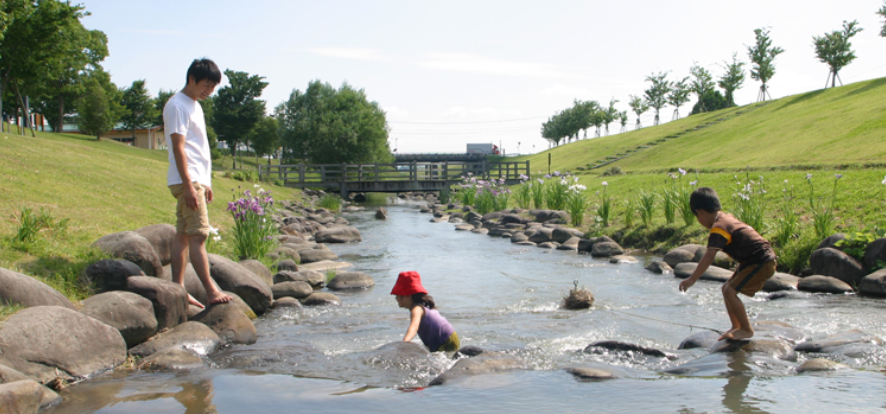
<point>450,73</point>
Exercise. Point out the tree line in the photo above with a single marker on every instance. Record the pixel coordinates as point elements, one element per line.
<point>51,65</point>
<point>833,48</point>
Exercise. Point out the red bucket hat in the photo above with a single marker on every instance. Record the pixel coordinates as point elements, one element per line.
<point>408,284</point>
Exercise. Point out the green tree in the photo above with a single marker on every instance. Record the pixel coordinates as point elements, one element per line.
<point>835,50</point>
<point>208,106</point>
<point>160,102</point>
<point>882,13</point>
<point>762,56</point>
<point>138,108</point>
<point>656,95</point>
<point>702,85</point>
<point>623,119</point>
<point>264,137</point>
<point>237,108</point>
<point>711,101</point>
<point>678,96</point>
<point>732,80</point>
<point>610,114</point>
<point>99,108</point>
<point>639,106</point>
<point>586,115</point>
<point>41,41</point>
<point>328,125</point>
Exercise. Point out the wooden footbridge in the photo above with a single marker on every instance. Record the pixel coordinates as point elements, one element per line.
<point>391,178</point>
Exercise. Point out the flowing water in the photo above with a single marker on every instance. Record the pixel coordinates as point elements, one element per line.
<point>504,297</point>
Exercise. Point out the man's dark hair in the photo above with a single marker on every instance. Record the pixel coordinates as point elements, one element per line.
<point>203,69</point>
<point>704,198</point>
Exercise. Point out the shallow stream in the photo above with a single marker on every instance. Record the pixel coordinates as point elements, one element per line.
<point>500,296</point>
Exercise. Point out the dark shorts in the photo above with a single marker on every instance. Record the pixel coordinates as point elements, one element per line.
<point>751,278</point>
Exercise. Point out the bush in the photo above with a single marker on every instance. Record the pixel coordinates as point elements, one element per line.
<point>795,256</point>
<point>713,101</point>
<point>330,202</point>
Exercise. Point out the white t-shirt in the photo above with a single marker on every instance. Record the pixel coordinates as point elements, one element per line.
<point>183,115</point>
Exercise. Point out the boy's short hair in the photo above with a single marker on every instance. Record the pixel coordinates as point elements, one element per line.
<point>704,198</point>
<point>203,69</point>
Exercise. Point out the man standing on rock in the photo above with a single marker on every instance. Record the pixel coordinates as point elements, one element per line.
<point>190,174</point>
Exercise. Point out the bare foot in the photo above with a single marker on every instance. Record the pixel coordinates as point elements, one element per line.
<point>195,302</point>
<point>727,334</point>
<point>218,297</point>
<point>741,334</point>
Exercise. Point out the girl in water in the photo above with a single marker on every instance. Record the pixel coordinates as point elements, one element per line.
<point>435,332</point>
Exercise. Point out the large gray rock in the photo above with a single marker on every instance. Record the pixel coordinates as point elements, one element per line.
<point>561,235</point>
<point>286,302</point>
<point>351,280</point>
<point>874,253</point>
<point>542,235</point>
<point>229,322</point>
<point>191,335</point>
<point>161,237</point>
<point>129,245</point>
<point>170,300</point>
<point>606,249</point>
<point>259,269</point>
<point>833,343</point>
<point>9,375</point>
<point>288,265</point>
<point>485,363</point>
<point>130,314</point>
<point>659,267</point>
<point>110,274</point>
<point>519,237</point>
<point>874,283</point>
<point>235,278</point>
<point>321,299</point>
<point>677,256</point>
<point>21,397</point>
<point>24,290</point>
<point>464,227</point>
<point>820,364</point>
<point>781,281</point>
<point>587,245</point>
<point>297,290</point>
<point>193,284</point>
<point>314,278</point>
<point>381,213</point>
<point>604,346</point>
<point>512,219</point>
<point>823,284</point>
<point>45,342</point>
<point>316,255</point>
<point>570,244</point>
<point>831,241</point>
<point>775,348</point>
<point>338,235</point>
<point>701,339</point>
<point>584,373</point>
<point>172,359</point>
<point>832,262</point>
<point>713,273</point>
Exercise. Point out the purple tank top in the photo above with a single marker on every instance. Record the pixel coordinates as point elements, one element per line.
<point>434,330</point>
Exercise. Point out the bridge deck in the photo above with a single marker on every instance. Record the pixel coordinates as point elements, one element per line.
<point>396,177</point>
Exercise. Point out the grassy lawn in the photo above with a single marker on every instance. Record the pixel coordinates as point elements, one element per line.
<point>102,187</point>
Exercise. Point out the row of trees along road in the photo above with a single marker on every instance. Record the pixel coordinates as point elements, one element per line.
<point>63,77</point>
<point>833,49</point>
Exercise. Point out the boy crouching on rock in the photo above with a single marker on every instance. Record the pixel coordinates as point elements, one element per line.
<point>756,260</point>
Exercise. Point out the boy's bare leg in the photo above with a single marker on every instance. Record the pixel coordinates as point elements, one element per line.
<point>179,262</point>
<point>200,261</point>
<point>729,311</point>
<point>737,310</point>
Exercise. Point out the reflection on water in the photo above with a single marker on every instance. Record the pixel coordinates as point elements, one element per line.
<point>506,298</point>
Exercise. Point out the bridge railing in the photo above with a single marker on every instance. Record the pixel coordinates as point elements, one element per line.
<point>306,175</point>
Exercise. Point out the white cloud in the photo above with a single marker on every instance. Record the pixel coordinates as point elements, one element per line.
<point>396,114</point>
<point>347,53</point>
<point>564,90</point>
<point>486,114</point>
<point>489,66</point>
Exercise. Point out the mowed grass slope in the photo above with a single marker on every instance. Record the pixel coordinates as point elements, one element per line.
<point>825,128</point>
<point>102,187</point>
